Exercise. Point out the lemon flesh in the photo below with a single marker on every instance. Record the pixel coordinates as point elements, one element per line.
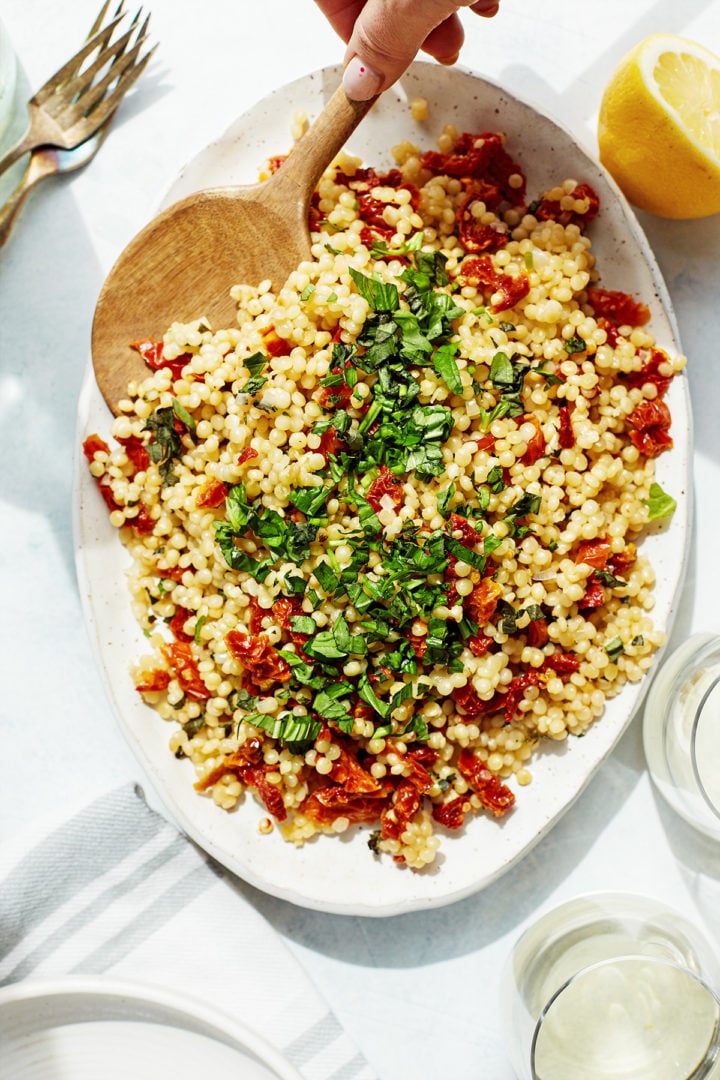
<point>659,127</point>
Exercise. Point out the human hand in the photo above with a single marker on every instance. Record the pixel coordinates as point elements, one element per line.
<point>384,36</point>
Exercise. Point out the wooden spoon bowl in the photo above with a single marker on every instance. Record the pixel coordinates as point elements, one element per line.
<point>182,265</point>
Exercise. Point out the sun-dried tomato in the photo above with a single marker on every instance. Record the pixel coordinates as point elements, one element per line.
<point>346,770</point>
<point>331,443</point>
<point>469,536</point>
<point>480,644</point>
<point>566,434</point>
<point>185,669</point>
<point>336,396</point>
<point>649,422</point>
<point>108,498</point>
<point>404,805</point>
<point>451,814</point>
<point>561,663</point>
<point>255,776</point>
<point>152,680</point>
<point>274,163</point>
<point>481,157</point>
<point>619,307</point>
<point>177,624</point>
<point>327,804</point>
<point>275,345</point>
<point>594,596</point>
<point>385,483</point>
<point>467,699</point>
<point>153,355</point>
<point>482,442</point>
<point>142,523</point>
<point>92,445</point>
<point>480,605</point>
<point>212,494</point>
<point>649,372</point>
<point>536,444</point>
<point>136,453</point>
<point>551,209</point>
<point>259,657</point>
<point>516,692</point>
<point>493,794</point>
<point>257,614</point>
<point>537,633</point>
<point>594,552</point>
<point>418,644</point>
<point>479,272</point>
<point>475,236</point>
<point>611,330</point>
<point>246,455</point>
<point>620,560</point>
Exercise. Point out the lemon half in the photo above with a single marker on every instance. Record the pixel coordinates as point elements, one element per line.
<point>659,127</point>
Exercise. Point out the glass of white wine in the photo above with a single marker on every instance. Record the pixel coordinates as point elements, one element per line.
<point>681,732</point>
<point>613,986</point>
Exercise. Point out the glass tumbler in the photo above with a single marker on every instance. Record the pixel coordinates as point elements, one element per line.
<point>612,986</point>
<point>681,732</point>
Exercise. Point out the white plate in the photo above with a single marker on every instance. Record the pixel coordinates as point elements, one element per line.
<point>79,1028</point>
<point>339,874</point>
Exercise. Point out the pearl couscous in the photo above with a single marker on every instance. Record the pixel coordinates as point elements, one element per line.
<point>384,531</point>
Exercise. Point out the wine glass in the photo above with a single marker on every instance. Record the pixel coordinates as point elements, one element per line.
<point>612,986</point>
<point>681,732</point>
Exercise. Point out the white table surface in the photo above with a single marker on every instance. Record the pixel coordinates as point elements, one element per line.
<point>419,993</point>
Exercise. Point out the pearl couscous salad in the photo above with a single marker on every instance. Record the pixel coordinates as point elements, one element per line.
<point>386,532</point>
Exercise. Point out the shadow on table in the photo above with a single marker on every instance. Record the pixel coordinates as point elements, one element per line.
<point>698,859</point>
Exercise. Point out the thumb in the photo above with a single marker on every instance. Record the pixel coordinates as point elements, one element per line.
<point>387,36</point>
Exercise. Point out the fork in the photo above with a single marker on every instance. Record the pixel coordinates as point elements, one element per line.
<point>74,103</point>
<point>47,161</point>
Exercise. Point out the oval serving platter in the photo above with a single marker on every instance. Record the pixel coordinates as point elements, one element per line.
<point>334,874</point>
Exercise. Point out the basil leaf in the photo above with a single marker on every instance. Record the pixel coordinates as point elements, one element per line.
<point>380,295</point>
<point>659,503</point>
<point>446,366</point>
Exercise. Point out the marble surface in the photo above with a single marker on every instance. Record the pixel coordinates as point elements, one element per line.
<point>419,993</point>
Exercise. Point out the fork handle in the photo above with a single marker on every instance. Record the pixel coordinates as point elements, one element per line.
<point>43,162</point>
<point>27,143</point>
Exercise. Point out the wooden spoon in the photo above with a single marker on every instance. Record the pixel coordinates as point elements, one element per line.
<point>182,265</point>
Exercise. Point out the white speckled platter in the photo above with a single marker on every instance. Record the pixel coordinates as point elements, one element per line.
<point>340,874</point>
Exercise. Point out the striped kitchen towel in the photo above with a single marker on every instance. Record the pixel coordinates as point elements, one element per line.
<point>116,889</point>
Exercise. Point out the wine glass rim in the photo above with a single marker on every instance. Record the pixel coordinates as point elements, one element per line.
<point>712,1054</point>
<point>693,755</point>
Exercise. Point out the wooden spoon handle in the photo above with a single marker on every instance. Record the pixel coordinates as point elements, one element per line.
<point>312,154</point>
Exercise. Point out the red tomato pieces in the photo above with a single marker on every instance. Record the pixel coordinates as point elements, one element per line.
<point>650,422</point>
<point>212,494</point>
<point>385,483</point>
<point>259,657</point>
<point>619,307</point>
<point>185,669</point>
<point>153,355</point>
<point>552,210</point>
<point>594,552</point>
<point>493,794</point>
<point>480,272</point>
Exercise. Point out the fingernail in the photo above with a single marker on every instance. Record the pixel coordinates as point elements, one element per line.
<point>448,61</point>
<point>361,82</point>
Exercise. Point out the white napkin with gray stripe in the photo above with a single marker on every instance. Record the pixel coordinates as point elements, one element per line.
<point>116,889</point>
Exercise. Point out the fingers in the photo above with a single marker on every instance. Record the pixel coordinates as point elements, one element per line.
<point>387,35</point>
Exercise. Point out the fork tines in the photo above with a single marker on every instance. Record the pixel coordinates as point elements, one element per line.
<point>95,79</point>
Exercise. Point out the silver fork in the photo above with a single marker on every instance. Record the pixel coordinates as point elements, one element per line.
<point>46,161</point>
<point>79,99</point>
